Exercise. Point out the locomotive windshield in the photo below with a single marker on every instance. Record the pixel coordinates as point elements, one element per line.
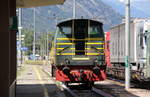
<point>95,31</point>
<point>81,28</point>
<point>65,30</point>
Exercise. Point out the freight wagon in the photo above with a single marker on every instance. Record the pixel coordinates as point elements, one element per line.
<point>139,49</point>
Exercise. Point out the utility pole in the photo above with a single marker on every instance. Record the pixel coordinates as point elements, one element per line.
<point>127,57</point>
<point>19,36</point>
<point>47,47</point>
<point>56,19</point>
<point>74,9</point>
<point>34,34</point>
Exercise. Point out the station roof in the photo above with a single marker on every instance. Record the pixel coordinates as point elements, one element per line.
<point>36,3</point>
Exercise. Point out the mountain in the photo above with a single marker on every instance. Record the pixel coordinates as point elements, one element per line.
<point>139,8</point>
<point>45,16</point>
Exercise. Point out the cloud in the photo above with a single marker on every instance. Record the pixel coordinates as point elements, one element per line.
<point>130,0</point>
<point>121,0</point>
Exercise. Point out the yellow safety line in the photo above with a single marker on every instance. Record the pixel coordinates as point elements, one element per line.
<point>74,48</point>
<point>41,82</point>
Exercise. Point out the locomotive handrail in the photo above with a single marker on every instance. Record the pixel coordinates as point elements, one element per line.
<point>88,43</point>
<point>75,54</point>
<point>74,48</point>
<point>95,49</point>
<point>64,49</point>
<point>102,39</point>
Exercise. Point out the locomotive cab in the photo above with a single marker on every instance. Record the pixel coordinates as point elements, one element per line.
<point>80,40</point>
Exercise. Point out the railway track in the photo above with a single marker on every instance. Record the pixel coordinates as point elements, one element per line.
<point>114,88</point>
<point>83,91</point>
<point>142,85</point>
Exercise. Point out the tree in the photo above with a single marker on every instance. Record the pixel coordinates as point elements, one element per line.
<point>28,40</point>
<point>41,42</point>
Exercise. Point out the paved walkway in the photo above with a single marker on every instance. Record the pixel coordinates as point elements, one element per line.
<point>33,82</point>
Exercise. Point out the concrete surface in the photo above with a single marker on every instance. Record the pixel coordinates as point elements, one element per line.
<point>33,82</point>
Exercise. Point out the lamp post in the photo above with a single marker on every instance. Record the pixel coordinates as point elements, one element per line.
<point>19,36</point>
<point>34,34</point>
<point>47,46</point>
<point>127,32</point>
<point>74,9</point>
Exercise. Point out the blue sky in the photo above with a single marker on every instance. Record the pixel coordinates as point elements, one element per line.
<point>139,8</point>
<point>134,0</point>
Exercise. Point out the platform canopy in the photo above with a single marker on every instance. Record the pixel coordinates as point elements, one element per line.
<point>36,3</point>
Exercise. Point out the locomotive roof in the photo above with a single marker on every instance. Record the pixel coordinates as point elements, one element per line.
<point>69,22</point>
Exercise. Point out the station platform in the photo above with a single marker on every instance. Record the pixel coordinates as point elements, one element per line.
<point>33,82</point>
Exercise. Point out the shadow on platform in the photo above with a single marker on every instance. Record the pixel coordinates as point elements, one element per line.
<point>115,90</point>
<point>37,90</point>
